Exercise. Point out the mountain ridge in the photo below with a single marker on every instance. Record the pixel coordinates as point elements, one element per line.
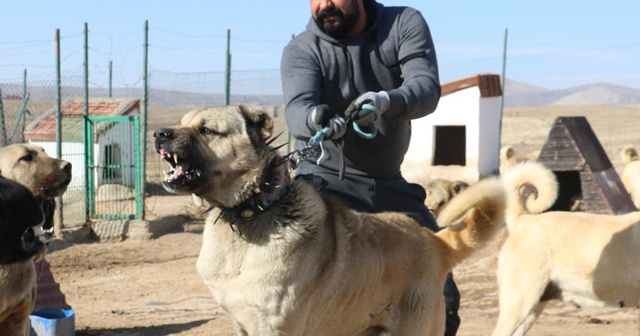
<point>517,94</point>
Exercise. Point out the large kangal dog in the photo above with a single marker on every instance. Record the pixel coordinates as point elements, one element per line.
<point>631,173</point>
<point>283,259</point>
<point>583,259</point>
<point>45,177</point>
<point>440,192</point>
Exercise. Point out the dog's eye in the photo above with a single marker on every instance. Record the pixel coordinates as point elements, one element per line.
<point>208,131</point>
<point>27,157</point>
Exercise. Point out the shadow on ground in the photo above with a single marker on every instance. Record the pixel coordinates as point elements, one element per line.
<point>159,330</point>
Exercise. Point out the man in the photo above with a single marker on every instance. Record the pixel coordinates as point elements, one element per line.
<point>359,73</point>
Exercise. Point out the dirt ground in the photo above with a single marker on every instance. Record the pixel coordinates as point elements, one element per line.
<point>151,287</point>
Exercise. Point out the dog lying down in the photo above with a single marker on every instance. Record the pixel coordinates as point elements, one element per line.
<point>283,259</point>
<point>44,178</point>
<point>583,259</point>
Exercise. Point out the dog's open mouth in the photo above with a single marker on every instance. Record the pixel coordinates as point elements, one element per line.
<point>181,173</point>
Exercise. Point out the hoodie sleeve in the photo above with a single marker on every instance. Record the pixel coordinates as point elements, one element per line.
<point>300,88</point>
<point>420,91</point>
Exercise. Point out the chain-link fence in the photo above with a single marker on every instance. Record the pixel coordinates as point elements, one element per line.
<point>25,97</point>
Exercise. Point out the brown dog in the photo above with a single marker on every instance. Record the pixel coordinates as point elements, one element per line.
<point>440,192</point>
<point>583,259</point>
<point>283,259</point>
<point>45,177</point>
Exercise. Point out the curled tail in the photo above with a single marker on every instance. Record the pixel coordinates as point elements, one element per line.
<point>531,188</point>
<point>472,218</point>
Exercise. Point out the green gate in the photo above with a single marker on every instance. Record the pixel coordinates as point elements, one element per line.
<point>113,168</point>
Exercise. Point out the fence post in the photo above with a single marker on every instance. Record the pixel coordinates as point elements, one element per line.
<point>145,102</point>
<point>88,141</point>
<point>502,82</point>
<point>24,111</point>
<point>5,141</point>
<point>227,77</point>
<point>58,220</point>
<point>110,77</point>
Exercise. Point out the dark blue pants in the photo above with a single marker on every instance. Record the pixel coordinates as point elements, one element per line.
<point>378,195</point>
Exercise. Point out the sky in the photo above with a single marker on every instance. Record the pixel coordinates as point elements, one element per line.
<point>552,44</point>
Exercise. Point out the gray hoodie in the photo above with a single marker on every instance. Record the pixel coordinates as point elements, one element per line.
<point>394,54</point>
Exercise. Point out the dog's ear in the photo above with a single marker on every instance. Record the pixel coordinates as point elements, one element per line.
<point>506,153</point>
<point>258,120</point>
<point>629,154</point>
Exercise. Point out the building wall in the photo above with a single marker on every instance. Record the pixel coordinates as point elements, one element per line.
<point>458,109</point>
<point>489,136</point>
<point>481,118</point>
<point>74,153</point>
<point>76,158</point>
<point>121,134</point>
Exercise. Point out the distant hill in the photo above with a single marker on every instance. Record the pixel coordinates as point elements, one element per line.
<point>517,94</point>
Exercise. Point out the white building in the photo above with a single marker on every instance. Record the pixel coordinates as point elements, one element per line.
<point>461,139</point>
<point>112,142</point>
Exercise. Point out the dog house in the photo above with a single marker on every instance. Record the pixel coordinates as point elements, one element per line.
<point>584,172</point>
<point>461,138</point>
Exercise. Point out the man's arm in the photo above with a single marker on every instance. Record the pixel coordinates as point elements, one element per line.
<point>420,91</point>
<point>301,90</point>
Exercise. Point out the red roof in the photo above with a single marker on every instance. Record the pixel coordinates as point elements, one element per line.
<point>44,127</point>
<point>488,84</point>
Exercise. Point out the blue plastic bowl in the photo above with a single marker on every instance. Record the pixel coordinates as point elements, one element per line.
<point>53,322</point>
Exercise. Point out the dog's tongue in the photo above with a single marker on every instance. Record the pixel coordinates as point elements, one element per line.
<point>162,152</point>
<point>180,169</point>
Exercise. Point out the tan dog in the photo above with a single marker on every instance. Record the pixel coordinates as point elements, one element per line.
<point>440,192</point>
<point>283,259</point>
<point>631,173</point>
<point>583,259</point>
<point>509,158</point>
<point>45,178</point>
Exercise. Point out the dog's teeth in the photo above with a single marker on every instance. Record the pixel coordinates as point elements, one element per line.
<point>175,157</point>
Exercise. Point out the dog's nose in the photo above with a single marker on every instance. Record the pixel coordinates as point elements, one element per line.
<point>162,133</point>
<point>66,166</point>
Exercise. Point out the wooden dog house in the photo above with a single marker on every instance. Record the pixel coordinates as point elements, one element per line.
<point>575,155</point>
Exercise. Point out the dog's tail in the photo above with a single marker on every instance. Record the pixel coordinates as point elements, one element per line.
<point>531,188</point>
<point>472,218</point>
<point>629,154</point>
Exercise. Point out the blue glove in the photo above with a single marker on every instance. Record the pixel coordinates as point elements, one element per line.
<point>322,116</point>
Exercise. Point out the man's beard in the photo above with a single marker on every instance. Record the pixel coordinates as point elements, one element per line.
<point>338,28</point>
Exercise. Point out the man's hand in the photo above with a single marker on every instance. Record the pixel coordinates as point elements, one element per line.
<point>322,117</point>
<point>380,100</point>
